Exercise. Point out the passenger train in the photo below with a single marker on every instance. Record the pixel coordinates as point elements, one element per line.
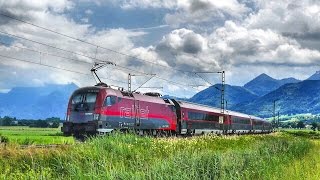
<point>101,110</point>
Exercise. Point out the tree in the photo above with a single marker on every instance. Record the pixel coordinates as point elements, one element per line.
<point>292,124</point>
<point>300,125</point>
<point>55,124</point>
<point>40,123</point>
<point>6,121</point>
<point>314,126</point>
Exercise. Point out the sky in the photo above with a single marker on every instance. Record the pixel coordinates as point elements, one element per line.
<point>169,38</point>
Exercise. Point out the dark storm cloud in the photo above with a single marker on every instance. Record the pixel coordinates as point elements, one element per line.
<point>304,36</point>
<point>197,5</point>
<point>192,44</point>
<point>248,47</point>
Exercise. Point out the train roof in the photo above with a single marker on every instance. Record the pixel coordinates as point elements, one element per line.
<point>190,105</point>
<point>124,94</point>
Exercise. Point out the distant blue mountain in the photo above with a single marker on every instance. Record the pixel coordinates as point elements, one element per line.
<point>174,97</point>
<point>233,95</point>
<point>257,96</point>
<point>293,98</point>
<point>36,102</point>
<point>315,76</point>
<point>263,84</point>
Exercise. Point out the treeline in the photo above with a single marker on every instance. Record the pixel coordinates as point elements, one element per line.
<point>52,122</point>
<point>300,125</point>
<point>309,118</point>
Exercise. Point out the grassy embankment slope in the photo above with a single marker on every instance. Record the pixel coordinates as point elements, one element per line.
<point>277,156</point>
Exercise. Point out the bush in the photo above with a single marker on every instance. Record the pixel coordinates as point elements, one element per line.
<point>4,139</point>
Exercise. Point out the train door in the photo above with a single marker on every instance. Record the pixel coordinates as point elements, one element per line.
<point>137,113</point>
<point>178,115</point>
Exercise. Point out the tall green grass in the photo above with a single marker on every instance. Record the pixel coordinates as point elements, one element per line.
<point>126,156</point>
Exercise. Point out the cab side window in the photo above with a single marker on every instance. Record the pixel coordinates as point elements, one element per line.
<point>110,100</point>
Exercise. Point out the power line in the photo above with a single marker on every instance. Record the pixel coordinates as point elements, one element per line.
<point>68,70</point>
<point>89,43</point>
<point>71,52</point>
<point>98,46</point>
<point>41,52</point>
<point>54,67</point>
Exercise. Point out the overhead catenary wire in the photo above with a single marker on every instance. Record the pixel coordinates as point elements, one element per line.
<point>54,67</point>
<point>89,43</point>
<point>78,72</point>
<point>97,46</point>
<point>71,52</point>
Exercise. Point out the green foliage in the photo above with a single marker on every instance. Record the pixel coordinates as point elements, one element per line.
<point>127,156</point>
<point>314,126</point>
<point>25,135</point>
<point>6,121</point>
<point>301,125</point>
<point>305,134</point>
<point>52,122</point>
<point>55,125</point>
<point>39,123</point>
<point>3,139</point>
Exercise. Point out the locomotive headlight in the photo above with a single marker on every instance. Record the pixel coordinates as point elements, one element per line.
<point>96,117</point>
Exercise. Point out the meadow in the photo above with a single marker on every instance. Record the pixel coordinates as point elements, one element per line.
<point>282,155</point>
<point>23,135</point>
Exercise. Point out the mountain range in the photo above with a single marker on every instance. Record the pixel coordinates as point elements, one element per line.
<point>292,98</point>
<point>263,84</point>
<point>233,94</point>
<point>49,100</point>
<point>256,97</point>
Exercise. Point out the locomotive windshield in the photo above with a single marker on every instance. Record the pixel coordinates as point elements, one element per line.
<point>83,101</point>
<point>84,98</point>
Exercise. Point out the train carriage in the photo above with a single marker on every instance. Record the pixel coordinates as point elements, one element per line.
<point>200,119</point>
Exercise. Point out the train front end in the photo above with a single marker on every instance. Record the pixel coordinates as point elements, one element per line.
<point>83,112</point>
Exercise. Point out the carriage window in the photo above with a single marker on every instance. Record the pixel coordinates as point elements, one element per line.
<point>240,120</point>
<point>110,100</point>
<point>202,116</point>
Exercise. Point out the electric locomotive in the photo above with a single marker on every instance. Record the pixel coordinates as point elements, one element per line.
<point>101,110</point>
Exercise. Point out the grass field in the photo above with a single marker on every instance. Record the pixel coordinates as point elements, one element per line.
<point>26,136</point>
<point>284,155</point>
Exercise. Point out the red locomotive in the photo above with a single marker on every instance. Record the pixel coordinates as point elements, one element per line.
<point>100,110</point>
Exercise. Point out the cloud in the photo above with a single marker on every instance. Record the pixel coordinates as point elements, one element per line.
<point>243,37</point>
<point>299,20</point>
<point>247,46</point>
<point>51,15</point>
<point>196,12</point>
<point>183,40</point>
<point>184,49</point>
